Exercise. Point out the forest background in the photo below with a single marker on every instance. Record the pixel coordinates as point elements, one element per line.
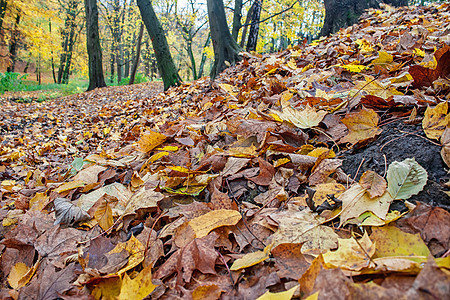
<point>43,42</point>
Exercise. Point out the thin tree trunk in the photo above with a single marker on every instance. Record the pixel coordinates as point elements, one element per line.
<point>3,5</point>
<point>237,15</point>
<point>203,60</point>
<point>51,52</point>
<point>138,55</point>
<point>14,45</point>
<point>226,50</point>
<point>254,27</point>
<point>192,58</point>
<point>166,66</point>
<point>112,63</point>
<point>247,23</point>
<point>96,78</point>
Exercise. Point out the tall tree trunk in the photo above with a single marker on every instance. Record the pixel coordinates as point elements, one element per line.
<point>203,60</point>
<point>96,78</point>
<point>226,50</point>
<point>51,52</point>
<point>164,59</point>
<point>254,27</point>
<point>3,5</point>
<point>246,24</point>
<point>14,45</point>
<point>112,62</point>
<point>138,55</point>
<point>342,13</point>
<point>192,58</point>
<point>237,15</point>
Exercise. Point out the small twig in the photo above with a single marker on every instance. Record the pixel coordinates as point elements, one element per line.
<point>395,119</point>
<point>357,171</point>
<point>228,269</point>
<point>408,133</point>
<point>331,139</point>
<point>150,234</point>
<point>103,232</point>
<point>446,253</point>
<point>246,226</point>
<point>364,250</point>
<point>422,137</point>
<point>242,214</point>
<point>385,165</point>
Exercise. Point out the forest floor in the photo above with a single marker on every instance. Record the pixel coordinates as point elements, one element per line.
<point>320,172</point>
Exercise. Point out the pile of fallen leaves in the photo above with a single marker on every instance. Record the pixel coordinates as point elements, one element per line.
<point>236,188</point>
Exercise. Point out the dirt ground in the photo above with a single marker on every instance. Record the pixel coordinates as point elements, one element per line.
<point>397,142</point>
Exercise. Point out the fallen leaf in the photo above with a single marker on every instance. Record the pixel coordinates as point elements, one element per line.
<point>302,227</point>
<point>287,295</point>
<point>425,76</point>
<point>306,118</point>
<point>137,288</point>
<point>374,184</point>
<point>251,259</point>
<point>67,213</point>
<point>103,215</point>
<point>351,255</point>
<point>233,165</point>
<point>136,251</point>
<point>391,241</point>
<point>150,140</point>
<point>356,201</point>
<point>266,173</point>
<point>445,151</point>
<point>436,120</point>
<point>362,125</point>
<point>309,277</point>
<point>206,292</point>
<point>69,186</point>
<point>405,178</point>
<point>203,224</point>
<point>18,271</point>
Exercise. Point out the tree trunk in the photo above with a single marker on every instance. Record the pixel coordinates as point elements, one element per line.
<point>202,62</point>
<point>192,58</point>
<point>342,13</point>
<point>112,62</point>
<point>51,52</point>
<point>14,45</point>
<point>164,59</point>
<point>138,55</point>
<point>254,27</point>
<point>247,23</point>
<point>96,78</point>
<point>237,15</point>
<point>226,50</point>
<point>3,4</point>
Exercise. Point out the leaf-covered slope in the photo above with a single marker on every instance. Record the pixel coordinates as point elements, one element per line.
<point>235,188</point>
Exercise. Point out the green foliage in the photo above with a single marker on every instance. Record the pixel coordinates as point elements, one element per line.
<point>140,78</point>
<point>10,81</point>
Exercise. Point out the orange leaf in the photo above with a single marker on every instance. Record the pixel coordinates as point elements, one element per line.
<point>373,183</point>
<point>362,125</point>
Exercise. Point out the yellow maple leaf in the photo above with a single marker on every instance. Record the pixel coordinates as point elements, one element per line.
<point>384,58</point>
<point>286,295</point>
<point>150,140</point>
<point>353,68</point>
<point>137,288</point>
<point>203,224</point>
<point>251,259</point>
<point>362,126</point>
<point>435,120</point>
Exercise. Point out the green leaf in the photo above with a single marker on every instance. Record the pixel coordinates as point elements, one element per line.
<point>405,178</point>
